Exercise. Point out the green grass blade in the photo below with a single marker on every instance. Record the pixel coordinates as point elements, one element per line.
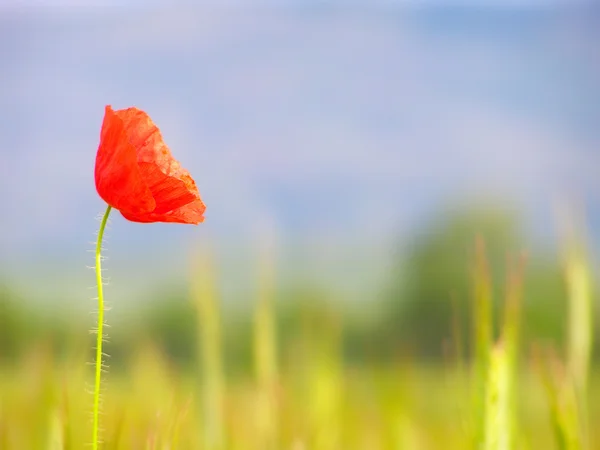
<point>209,326</point>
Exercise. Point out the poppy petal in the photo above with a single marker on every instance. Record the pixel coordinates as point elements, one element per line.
<point>192,213</point>
<point>170,184</point>
<point>118,178</point>
<point>169,192</point>
<point>136,173</point>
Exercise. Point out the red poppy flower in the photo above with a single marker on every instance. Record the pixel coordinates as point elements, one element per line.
<point>136,173</point>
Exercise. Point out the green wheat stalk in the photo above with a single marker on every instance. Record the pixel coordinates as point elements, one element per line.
<point>265,353</point>
<point>205,300</point>
<point>500,407</point>
<point>483,333</point>
<point>580,326</point>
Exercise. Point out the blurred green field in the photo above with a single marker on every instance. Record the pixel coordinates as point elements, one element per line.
<point>485,368</point>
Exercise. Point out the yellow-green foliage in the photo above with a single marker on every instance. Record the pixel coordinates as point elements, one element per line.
<point>303,394</point>
<point>321,405</point>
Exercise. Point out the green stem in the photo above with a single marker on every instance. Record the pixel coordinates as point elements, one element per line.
<point>99,334</point>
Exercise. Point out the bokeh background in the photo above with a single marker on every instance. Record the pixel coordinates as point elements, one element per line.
<point>349,155</point>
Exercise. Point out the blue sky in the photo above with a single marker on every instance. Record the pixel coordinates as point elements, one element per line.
<point>338,125</point>
<point>507,4</point>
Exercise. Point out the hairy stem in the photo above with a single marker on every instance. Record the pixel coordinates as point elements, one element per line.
<point>99,334</point>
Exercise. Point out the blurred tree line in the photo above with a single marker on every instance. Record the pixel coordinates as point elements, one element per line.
<point>425,302</point>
